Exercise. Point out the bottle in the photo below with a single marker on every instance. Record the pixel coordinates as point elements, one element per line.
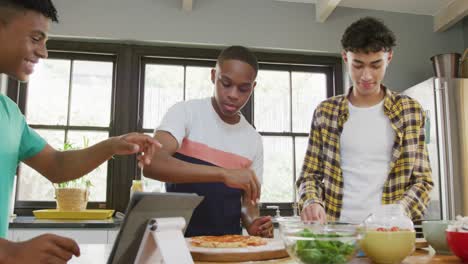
<point>137,186</point>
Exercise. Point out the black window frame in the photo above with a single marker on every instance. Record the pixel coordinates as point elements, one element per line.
<point>128,84</point>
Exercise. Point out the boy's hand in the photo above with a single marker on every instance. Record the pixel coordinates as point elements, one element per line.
<point>244,179</point>
<point>136,143</point>
<point>261,226</point>
<point>314,212</point>
<point>46,248</point>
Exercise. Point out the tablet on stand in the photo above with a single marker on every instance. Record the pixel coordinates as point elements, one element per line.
<point>142,208</point>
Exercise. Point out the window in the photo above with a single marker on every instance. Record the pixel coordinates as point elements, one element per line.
<point>284,103</point>
<point>69,100</point>
<point>166,83</point>
<point>94,91</point>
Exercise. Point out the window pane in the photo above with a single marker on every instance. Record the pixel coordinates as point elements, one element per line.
<point>98,176</point>
<point>308,90</point>
<point>301,148</point>
<point>164,86</point>
<point>32,186</point>
<point>272,112</point>
<point>48,93</point>
<point>198,82</point>
<point>35,187</point>
<point>91,93</point>
<point>278,171</point>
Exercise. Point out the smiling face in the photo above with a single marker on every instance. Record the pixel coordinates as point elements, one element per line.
<point>234,82</point>
<point>367,71</point>
<point>22,43</point>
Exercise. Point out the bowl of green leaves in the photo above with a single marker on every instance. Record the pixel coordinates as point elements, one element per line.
<point>313,243</point>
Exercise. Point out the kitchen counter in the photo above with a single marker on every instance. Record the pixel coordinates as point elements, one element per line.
<point>97,254</point>
<point>32,222</point>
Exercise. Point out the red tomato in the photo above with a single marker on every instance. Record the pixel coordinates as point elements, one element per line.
<point>394,229</point>
<point>381,229</point>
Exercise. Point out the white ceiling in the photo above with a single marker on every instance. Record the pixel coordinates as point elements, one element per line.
<point>420,7</point>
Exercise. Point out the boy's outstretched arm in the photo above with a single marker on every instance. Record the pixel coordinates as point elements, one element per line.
<point>61,166</point>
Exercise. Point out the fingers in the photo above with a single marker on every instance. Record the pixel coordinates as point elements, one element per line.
<point>265,221</point>
<point>59,253</point>
<point>323,216</point>
<point>266,229</point>
<point>310,214</point>
<point>149,153</point>
<point>249,192</point>
<point>140,139</point>
<point>259,186</point>
<point>141,143</point>
<point>69,245</point>
<point>253,190</point>
<point>55,260</point>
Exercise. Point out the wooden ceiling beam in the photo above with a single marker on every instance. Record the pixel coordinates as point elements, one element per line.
<point>187,5</point>
<point>450,15</point>
<point>324,8</point>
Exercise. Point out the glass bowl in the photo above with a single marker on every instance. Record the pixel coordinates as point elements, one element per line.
<point>313,243</point>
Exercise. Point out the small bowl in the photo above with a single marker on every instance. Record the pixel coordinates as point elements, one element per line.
<point>434,233</point>
<point>458,243</point>
<point>313,243</point>
<point>387,247</point>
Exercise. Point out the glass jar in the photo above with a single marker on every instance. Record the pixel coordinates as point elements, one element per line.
<point>389,235</point>
<point>387,217</point>
<point>137,186</point>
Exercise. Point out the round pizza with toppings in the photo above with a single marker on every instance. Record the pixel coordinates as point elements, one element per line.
<point>227,241</point>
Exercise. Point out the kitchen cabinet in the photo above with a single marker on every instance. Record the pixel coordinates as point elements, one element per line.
<point>10,234</point>
<point>83,231</point>
<point>112,235</point>
<point>80,235</point>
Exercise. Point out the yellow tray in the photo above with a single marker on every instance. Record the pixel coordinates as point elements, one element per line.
<point>86,214</point>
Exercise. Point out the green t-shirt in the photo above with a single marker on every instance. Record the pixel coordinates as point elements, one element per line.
<point>17,142</point>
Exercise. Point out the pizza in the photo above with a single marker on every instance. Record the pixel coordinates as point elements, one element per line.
<point>227,241</point>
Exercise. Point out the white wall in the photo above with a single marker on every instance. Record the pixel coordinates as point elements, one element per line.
<point>260,24</point>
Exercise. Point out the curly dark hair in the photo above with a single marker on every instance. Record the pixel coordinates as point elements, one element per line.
<point>45,7</point>
<point>239,53</point>
<point>368,35</point>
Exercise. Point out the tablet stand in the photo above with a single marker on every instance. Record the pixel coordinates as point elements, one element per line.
<point>164,242</point>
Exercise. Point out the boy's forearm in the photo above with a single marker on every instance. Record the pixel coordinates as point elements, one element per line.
<point>77,163</point>
<point>166,168</point>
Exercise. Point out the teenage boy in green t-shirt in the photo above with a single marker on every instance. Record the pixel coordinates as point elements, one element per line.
<point>23,34</point>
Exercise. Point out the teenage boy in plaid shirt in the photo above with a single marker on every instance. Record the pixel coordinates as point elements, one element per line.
<point>366,148</point>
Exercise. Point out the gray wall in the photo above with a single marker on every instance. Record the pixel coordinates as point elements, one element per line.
<point>259,24</point>
<point>465,31</point>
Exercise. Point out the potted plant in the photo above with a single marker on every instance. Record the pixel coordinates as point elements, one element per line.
<point>73,195</point>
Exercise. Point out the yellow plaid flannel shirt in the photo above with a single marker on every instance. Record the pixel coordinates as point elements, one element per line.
<point>409,180</point>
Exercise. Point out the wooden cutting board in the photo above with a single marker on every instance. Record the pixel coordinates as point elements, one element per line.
<point>274,249</point>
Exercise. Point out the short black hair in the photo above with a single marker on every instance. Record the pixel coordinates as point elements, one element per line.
<point>239,53</point>
<point>45,7</point>
<point>368,34</point>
